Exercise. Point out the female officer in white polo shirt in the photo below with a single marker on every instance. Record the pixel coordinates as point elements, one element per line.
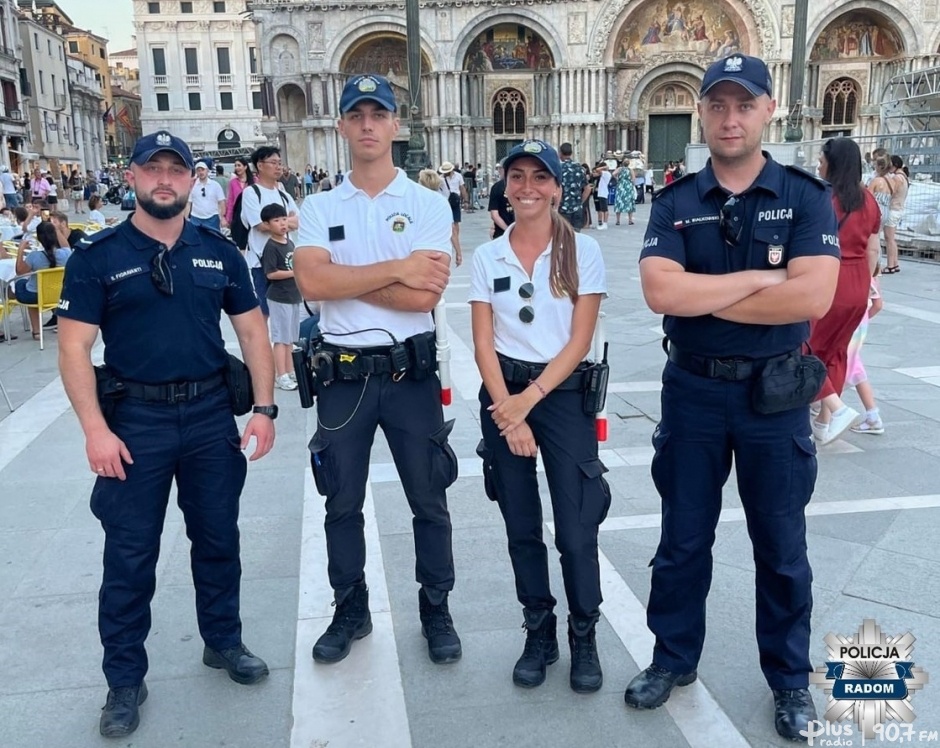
<point>535,296</point>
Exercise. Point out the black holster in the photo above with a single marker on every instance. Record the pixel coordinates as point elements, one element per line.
<point>238,383</point>
<point>109,389</point>
<point>787,382</point>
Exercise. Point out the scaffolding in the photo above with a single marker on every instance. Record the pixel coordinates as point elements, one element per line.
<point>910,119</point>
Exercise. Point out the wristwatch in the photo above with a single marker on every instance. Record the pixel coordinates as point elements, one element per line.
<point>266,410</point>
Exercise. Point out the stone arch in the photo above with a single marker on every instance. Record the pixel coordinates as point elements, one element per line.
<point>753,20</point>
<point>281,29</point>
<point>898,22</point>
<point>520,16</point>
<point>291,104</point>
<point>228,138</point>
<point>644,81</point>
<point>339,48</point>
<point>284,53</point>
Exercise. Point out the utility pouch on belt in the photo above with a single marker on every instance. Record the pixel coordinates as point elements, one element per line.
<point>109,389</point>
<point>238,383</point>
<point>595,386</point>
<point>347,366</point>
<point>789,381</point>
<point>423,349</point>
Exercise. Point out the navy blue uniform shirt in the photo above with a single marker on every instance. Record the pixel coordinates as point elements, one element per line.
<point>786,213</point>
<point>149,336</point>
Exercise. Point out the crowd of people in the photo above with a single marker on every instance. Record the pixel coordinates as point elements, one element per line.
<point>375,251</point>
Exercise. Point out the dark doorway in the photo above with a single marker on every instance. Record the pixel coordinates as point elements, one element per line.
<point>669,135</point>
<point>399,152</point>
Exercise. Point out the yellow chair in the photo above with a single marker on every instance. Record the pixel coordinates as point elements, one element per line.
<point>49,289</point>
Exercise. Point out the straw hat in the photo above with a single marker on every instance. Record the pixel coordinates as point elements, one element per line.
<point>446,168</point>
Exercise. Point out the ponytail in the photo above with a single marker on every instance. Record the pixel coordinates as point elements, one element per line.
<point>564,267</point>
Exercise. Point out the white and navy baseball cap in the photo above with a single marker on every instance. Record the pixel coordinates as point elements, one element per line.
<point>367,88</point>
<point>161,140</point>
<point>749,72</point>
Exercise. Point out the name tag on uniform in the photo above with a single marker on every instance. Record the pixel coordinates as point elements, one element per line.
<point>124,274</point>
<point>337,233</point>
<point>501,284</point>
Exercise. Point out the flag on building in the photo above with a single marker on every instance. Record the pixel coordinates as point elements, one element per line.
<point>124,117</point>
<point>108,117</point>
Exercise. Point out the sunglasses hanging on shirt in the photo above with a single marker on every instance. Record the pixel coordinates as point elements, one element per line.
<point>527,313</point>
<point>731,220</point>
<point>160,272</point>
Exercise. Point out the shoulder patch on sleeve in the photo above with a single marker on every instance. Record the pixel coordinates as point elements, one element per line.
<point>820,183</point>
<point>214,233</point>
<point>88,241</point>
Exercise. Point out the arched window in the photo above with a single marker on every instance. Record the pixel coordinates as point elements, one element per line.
<point>509,116</point>
<point>840,105</point>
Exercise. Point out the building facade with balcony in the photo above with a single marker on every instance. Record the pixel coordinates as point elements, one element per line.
<point>87,107</point>
<point>50,102</point>
<point>14,133</point>
<point>601,74</point>
<point>200,74</point>
<point>93,51</point>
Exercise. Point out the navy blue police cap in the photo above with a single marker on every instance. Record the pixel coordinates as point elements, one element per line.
<point>367,88</point>
<point>749,72</point>
<point>150,145</point>
<point>540,150</point>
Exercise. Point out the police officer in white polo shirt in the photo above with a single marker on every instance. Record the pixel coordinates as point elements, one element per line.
<point>206,200</point>
<point>535,296</point>
<point>375,252</point>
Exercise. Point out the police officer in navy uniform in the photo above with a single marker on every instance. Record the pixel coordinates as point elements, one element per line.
<point>155,286</point>
<point>535,296</point>
<point>375,251</point>
<point>738,257</point>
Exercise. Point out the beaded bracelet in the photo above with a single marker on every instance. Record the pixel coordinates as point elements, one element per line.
<point>540,388</point>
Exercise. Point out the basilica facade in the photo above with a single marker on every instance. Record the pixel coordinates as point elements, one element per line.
<point>600,74</point>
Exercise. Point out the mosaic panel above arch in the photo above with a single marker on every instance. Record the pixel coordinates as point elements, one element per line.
<point>858,34</point>
<point>702,30</point>
<point>508,46</point>
<point>385,54</point>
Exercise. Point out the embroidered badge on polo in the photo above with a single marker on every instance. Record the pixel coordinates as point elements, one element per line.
<point>775,254</point>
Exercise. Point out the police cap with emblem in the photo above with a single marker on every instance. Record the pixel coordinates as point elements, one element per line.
<point>749,72</point>
<point>537,149</point>
<point>367,88</point>
<point>150,145</point>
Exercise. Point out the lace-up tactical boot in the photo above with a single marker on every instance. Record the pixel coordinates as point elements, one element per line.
<point>586,673</point>
<point>541,648</point>
<point>438,627</point>
<point>351,621</point>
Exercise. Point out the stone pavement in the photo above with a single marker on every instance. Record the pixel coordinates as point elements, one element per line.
<point>873,528</point>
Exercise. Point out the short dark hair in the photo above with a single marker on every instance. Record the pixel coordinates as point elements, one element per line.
<point>263,153</point>
<point>565,149</point>
<point>272,211</point>
<point>896,162</point>
<point>219,169</point>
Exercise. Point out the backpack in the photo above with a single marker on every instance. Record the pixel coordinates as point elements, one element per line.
<point>238,230</point>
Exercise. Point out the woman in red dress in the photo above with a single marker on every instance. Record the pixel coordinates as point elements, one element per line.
<point>859,222</point>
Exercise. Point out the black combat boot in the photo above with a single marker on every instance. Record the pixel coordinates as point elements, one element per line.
<point>586,673</point>
<point>438,627</point>
<point>541,648</point>
<point>351,621</point>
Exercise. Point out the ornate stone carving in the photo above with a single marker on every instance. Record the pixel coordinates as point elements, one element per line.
<point>787,13</point>
<point>859,72</point>
<point>315,35</point>
<point>757,9</point>
<point>577,28</point>
<point>445,26</point>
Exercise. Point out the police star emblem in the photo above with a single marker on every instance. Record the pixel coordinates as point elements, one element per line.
<point>775,254</point>
<point>870,678</point>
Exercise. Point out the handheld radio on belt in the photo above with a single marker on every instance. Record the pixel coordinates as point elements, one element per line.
<point>443,351</point>
<point>601,372</point>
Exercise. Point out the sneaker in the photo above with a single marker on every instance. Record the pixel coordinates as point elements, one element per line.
<point>438,628</point>
<point>284,382</point>
<point>874,426</point>
<point>820,430</point>
<point>842,421</point>
<point>293,376</point>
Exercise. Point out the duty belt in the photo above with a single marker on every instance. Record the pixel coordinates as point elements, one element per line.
<point>523,372</point>
<point>370,361</point>
<point>732,369</point>
<point>175,392</point>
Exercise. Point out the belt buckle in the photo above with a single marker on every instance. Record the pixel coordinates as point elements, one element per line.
<point>723,369</point>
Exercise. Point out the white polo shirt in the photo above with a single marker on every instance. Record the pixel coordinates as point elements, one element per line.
<point>360,230</point>
<point>496,278</point>
<point>205,197</point>
<point>453,183</point>
<point>251,217</point>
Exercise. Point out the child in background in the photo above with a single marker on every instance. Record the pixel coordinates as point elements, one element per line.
<point>284,297</point>
<point>856,376</point>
